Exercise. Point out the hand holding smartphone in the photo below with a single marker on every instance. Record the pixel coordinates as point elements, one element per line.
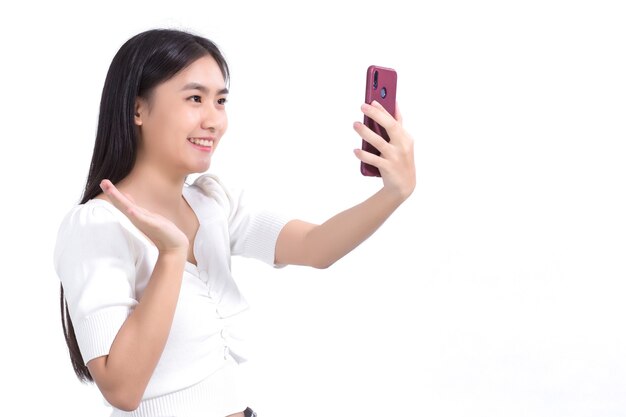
<point>380,86</point>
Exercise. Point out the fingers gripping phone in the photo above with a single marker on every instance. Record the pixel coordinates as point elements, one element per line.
<point>380,86</point>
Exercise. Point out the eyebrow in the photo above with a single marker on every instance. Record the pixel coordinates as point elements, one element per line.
<point>204,89</point>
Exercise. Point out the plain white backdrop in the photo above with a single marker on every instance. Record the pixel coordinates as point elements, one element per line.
<point>496,290</point>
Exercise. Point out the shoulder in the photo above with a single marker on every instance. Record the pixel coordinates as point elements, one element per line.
<point>94,222</point>
<point>210,186</point>
<point>89,214</point>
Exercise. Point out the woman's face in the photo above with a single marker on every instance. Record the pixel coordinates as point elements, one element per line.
<point>183,121</point>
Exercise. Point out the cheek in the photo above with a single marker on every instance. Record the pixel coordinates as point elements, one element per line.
<point>180,124</point>
<point>165,128</point>
<point>187,119</point>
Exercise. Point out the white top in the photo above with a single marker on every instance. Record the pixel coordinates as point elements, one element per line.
<point>104,263</point>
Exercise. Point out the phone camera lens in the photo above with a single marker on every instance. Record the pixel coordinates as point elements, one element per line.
<point>375,80</point>
<point>383,92</point>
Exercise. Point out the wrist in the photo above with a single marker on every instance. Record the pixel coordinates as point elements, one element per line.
<point>174,254</point>
<point>395,195</point>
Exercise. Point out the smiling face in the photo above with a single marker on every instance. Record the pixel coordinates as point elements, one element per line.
<point>183,120</point>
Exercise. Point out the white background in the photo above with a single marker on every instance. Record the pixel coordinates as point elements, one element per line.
<point>496,290</point>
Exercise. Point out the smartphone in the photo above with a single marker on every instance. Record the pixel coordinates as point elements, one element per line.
<point>380,86</point>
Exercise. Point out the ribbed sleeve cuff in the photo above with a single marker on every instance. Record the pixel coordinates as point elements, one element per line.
<point>96,332</point>
<point>264,230</point>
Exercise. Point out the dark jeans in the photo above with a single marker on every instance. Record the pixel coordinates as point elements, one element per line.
<point>249,413</point>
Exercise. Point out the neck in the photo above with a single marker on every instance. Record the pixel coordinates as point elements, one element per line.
<point>153,189</point>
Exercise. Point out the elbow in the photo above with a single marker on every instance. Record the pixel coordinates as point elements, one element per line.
<point>123,400</point>
<point>121,390</point>
<point>323,259</point>
<point>125,404</point>
<point>322,263</point>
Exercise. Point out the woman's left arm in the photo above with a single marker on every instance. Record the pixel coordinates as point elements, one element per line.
<point>302,243</point>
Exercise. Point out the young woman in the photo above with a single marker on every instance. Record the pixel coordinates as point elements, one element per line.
<point>149,306</point>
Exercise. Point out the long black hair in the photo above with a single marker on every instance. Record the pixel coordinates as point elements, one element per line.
<point>143,62</point>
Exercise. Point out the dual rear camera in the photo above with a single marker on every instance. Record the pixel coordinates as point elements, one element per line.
<point>383,91</point>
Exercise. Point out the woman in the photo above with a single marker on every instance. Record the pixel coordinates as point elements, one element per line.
<point>149,306</point>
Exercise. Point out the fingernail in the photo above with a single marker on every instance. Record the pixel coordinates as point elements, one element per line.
<point>375,103</point>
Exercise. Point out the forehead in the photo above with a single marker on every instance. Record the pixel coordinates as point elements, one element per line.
<point>205,71</point>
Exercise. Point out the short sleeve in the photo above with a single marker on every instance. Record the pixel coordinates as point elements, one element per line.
<point>253,231</point>
<point>95,263</point>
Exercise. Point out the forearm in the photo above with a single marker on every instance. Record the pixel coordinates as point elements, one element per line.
<point>141,339</point>
<point>339,235</point>
<point>302,243</point>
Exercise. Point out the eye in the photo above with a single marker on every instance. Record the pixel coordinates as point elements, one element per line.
<point>222,101</point>
<point>195,99</point>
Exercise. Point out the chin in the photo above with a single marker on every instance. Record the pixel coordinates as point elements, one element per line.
<point>200,168</point>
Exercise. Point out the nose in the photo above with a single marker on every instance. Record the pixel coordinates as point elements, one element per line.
<point>213,118</point>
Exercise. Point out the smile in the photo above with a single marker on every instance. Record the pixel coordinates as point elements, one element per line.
<point>206,143</point>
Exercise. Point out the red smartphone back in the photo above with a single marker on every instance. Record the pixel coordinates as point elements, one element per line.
<point>380,86</point>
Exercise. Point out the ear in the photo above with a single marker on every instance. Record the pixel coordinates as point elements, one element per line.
<point>141,109</point>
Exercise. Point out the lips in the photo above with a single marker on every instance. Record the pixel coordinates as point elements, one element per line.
<point>204,142</point>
